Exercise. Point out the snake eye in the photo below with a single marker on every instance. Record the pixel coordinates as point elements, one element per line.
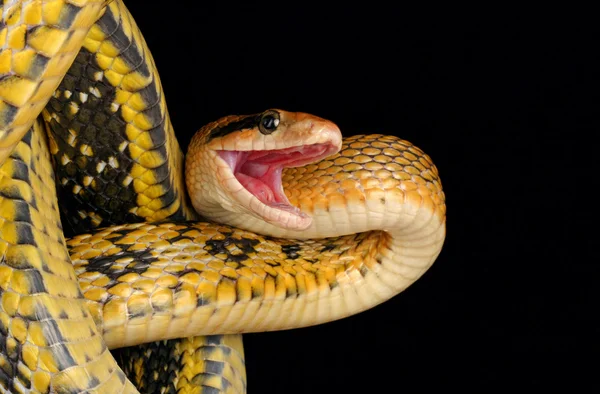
<point>268,122</point>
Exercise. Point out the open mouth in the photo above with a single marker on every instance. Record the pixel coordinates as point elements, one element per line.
<point>259,172</point>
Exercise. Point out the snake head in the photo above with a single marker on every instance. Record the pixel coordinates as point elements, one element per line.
<point>234,165</point>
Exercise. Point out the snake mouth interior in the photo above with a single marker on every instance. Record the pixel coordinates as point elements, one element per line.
<point>260,171</point>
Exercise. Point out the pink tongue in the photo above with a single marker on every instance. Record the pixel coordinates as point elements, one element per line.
<point>256,187</point>
<point>262,181</point>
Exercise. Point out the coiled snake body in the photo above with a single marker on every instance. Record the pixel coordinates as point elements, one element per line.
<point>307,235</point>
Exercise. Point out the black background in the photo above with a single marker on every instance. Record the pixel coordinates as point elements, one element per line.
<point>505,106</point>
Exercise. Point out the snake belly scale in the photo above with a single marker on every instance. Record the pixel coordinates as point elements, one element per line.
<point>311,228</point>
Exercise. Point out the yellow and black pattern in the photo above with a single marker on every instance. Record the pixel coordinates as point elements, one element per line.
<point>48,339</point>
<point>113,146</point>
<point>202,279</point>
<point>38,42</point>
<point>117,160</point>
<point>211,364</point>
<point>114,151</point>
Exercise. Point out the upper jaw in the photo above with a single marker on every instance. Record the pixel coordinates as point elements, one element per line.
<point>296,129</point>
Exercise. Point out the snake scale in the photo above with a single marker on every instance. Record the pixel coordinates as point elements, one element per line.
<point>306,234</point>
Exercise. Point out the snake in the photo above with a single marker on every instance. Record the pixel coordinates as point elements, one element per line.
<point>116,246</point>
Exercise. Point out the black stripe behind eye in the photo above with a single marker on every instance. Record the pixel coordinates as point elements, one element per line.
<point>245,122</point>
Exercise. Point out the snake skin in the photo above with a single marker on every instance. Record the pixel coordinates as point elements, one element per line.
<point>153,275</point>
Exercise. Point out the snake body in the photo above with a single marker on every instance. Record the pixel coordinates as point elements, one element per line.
<point>335,238</point>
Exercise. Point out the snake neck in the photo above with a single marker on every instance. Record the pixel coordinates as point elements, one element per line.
<point>391,236</point>
<point>379,186</point>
